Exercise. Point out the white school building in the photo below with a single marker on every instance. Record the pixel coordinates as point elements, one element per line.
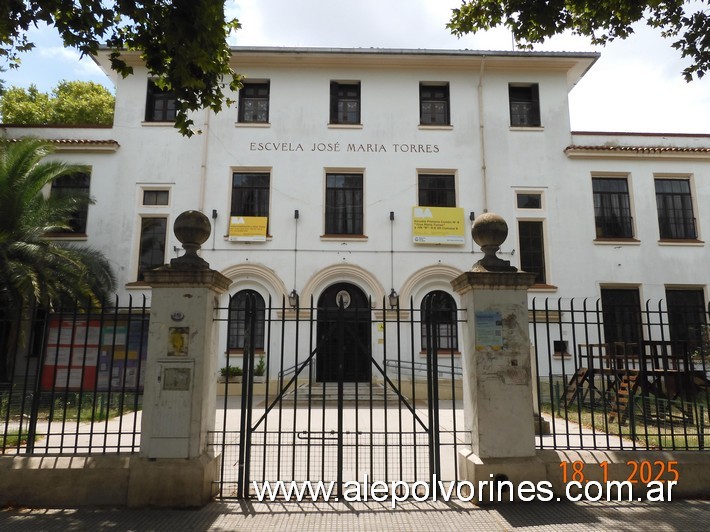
<point>355,173</point>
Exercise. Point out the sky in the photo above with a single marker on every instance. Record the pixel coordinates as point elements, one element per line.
<point>636,85</point>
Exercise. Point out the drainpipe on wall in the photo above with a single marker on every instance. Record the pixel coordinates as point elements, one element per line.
<point>203,167</point>
<point>482,135</point>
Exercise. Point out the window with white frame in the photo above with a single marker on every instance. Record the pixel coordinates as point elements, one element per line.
<point>75,186</point>
<point>612,207</point>
<point>345,102</point>
<point>239,304</point>
<point>151,252</point>
<point>436,190</point>
<point>439,323</point>
<point>434,104</point>
<point>254,102</point>
<point>524,102</point>
<point>344,204</point>
<point>675,209</point>
<point>161,104</point>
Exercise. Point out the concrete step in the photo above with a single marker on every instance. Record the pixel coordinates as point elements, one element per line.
<point>361,392</point>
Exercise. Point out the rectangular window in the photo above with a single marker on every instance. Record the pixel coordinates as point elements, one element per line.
<point>156,197</point>
<point>344,103</point>
<point>250,194</point>
<point>525,200</point>
<point>151,253</point>
<point>437,190</point>
<point>532,249</point>
<point>74,186</point>
<point>524,105</point>
<point>621,311</point>
<point>675,209</point>
<point>434,104</point>
<point>254,103</point>
<point>343,204</point>
<point>612,208</point>
<point>160,104</point>
<point>687,317</point>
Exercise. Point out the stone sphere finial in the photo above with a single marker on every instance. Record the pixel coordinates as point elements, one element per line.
<point>489,230</point>
<point>192,229</point>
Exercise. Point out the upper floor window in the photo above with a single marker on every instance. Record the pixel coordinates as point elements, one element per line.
<point>675,209</point>
<point>437,190</point>
<point>250,194</point>
<point>343,204</point>
<point>254,103</point>
<point>151,252</point>
<point>74,186</point>
<point>612,207</point>
<point>532,249</point>
<point>528,200</point>
<point>344,102</point>
<point>524,105</point>
<point>156,197</point>
<point>434,104</point>
<point>160,104</point>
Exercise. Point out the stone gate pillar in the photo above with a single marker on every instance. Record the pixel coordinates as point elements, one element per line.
<point>176,469</point>
<point>498,393</point>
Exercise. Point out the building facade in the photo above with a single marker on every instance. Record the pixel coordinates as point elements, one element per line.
<point>356,173</point>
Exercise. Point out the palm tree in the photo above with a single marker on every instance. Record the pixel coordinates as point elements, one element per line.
<point>36,271</point>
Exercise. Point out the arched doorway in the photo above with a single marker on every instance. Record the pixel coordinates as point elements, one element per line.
<point>344,334</point>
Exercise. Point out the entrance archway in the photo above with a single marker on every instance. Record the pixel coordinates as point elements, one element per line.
<point>344,335</point>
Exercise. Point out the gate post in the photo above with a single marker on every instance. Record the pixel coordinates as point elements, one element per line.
<point>175,468</point>
<point>498,394</point>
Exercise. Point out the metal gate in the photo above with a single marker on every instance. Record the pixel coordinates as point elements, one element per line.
<point>320,414</point>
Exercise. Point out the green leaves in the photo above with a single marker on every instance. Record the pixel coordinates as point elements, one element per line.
<point>183,42</point>
<point>534,21</point>
<point>33,267</point>
<point>76,103</point>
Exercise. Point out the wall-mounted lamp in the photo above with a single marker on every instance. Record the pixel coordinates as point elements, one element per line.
<point>472,216</point>
<point>393,298</point>
<point>214,214</point>
<point>293,298</point>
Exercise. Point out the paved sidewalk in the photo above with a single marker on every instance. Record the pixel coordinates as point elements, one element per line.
<point>342,517</point>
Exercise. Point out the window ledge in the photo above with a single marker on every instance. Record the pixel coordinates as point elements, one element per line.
<point>680,242</point>
<point>435,127</point>
<point>344,126</point>
<point>527,128</point>
<point>137,285</point>
<point>441,353</point>
<point>67,236</point>
<point>240,352</point>
<point>169,123</point>
<point>268,239</point>
<point>617,242</point>
<point>544,288</point>
<point>253,124</point>
<point>345,238</point>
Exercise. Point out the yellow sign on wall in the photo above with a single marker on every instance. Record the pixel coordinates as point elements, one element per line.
<point>438,225</point>
<point>247,228</point>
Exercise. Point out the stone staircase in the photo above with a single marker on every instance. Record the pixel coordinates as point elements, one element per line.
<point>361,393</point>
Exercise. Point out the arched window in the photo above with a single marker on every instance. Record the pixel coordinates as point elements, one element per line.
<point>442,310</point>
<point>238,317</point>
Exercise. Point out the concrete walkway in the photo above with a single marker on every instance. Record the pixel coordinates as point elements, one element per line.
<point>340,517</point>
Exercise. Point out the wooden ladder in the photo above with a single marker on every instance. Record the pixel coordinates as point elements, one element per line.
<point>575,388</point>
<point>627,388</point>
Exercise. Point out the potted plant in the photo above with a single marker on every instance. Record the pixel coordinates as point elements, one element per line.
<point>230,373</point>
<point>260,370</point>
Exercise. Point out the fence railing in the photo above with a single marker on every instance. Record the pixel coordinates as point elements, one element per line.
<point>600,390</point>
<point>75,381</point>
<point>74,376</point>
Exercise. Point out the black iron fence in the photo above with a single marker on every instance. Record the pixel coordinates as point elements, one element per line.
<point>610,374</point>
<point>329,392</point>
<point>73,379</point>
<point>622,377</point>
